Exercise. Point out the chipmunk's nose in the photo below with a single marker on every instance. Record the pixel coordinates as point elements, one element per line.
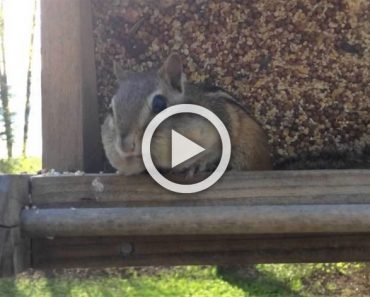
<point>128,144</point>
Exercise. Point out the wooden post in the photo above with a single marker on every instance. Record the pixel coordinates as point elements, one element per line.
<point>71,132</point>
<point>14,248</point>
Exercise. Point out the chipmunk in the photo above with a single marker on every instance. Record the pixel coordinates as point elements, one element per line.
<point>140,96</point>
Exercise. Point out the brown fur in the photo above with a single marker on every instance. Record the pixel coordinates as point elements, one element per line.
<point>250,148</point>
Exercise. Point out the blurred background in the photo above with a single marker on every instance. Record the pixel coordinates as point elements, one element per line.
<point>20,108</point>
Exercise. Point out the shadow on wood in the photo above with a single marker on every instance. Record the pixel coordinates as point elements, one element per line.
<point>196,250</point>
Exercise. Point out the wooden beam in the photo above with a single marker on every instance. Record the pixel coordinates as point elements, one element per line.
<point>197,220</point>
<point>235,188</point>
<point>14,247</point>
<point>205,250</point>
<point>70,125</point>
<point>239,206</point>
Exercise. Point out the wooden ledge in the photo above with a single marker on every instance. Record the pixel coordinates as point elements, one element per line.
<point>234,188</point>
<point>247,217</point>
<point>241,203</point>
<point>334,201</point>
<point>197,220</point>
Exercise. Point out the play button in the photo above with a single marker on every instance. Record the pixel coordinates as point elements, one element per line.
<point>183,149</point>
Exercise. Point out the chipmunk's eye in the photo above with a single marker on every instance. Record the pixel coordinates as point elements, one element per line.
<point>159,103</point>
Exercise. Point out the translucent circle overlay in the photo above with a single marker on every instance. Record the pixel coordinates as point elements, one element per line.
<point>217,173</point>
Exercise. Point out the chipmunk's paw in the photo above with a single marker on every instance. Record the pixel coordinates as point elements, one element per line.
<point>190,173</point>
<point>196,169</point>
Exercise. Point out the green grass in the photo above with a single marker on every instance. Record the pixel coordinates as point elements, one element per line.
<point>20,165</point>
<point>184,282</point>
<point>281,280</point>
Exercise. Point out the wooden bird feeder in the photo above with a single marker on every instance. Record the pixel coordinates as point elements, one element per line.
<point>100,220</point>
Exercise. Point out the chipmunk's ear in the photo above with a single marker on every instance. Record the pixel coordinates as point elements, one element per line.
<point>119,72</point>
<point>172,72</point>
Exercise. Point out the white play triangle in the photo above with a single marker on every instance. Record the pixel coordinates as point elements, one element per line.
<point>183,149</point>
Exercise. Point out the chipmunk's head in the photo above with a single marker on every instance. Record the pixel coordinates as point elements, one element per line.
<point>140,96</point>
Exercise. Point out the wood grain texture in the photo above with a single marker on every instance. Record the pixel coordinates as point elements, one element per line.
<point>70,126</point>
<point>179,229</point>
<point>14,247</point>
<point>197,220</point>
<point>234,188</point>
<point>14,191</point>
<point>185,250</point>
